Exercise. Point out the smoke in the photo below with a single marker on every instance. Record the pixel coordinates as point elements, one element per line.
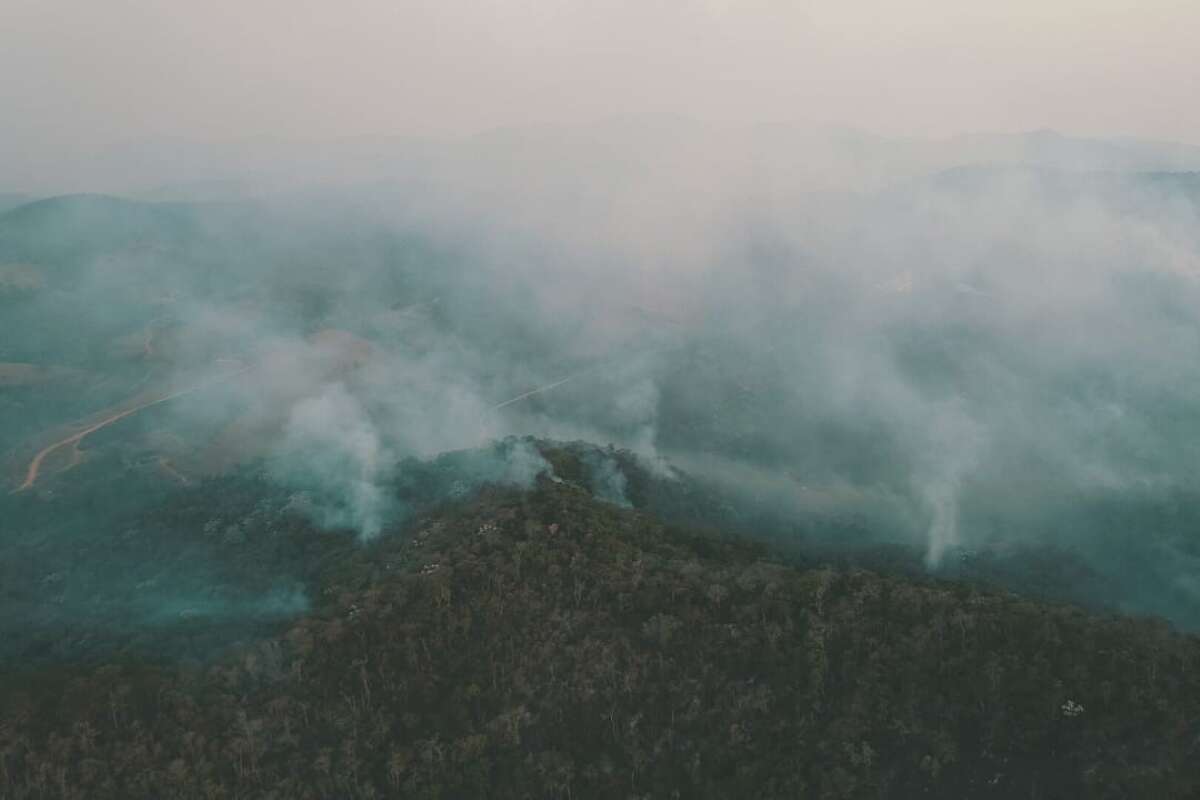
<point>941,489</point>
<point>960,358</point>
<point>331,451</point>
<point>964,350</point>
<point>608,482</point>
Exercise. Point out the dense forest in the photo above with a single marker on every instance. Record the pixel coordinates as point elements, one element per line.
<point>549,643</point>
<point>385,492</point>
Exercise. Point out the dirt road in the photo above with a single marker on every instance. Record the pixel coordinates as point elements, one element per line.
<point>35,466</point>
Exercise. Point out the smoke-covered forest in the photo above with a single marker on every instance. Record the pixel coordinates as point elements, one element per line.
<point>965,396</point>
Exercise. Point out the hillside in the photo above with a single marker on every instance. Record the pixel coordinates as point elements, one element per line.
<point>288,510</point>
<point>544,643</point>
<point>9,200</point>
<point>70,228</point>
<point>648,401</point>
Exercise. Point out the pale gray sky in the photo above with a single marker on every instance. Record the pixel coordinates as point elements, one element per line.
<point>79,74</point>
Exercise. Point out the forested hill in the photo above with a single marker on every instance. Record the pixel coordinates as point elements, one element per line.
<point>542,643</point>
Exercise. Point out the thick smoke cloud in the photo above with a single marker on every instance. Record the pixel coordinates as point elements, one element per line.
<point>959,359</point>
<point>330,445</point>
<point>938,341</point>
<point>983,357</point>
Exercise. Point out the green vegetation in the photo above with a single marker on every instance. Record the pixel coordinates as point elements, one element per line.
<point>546,644</point>
<point>286,523</point>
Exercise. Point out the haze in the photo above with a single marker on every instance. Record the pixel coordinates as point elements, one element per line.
<point>78,77</point>
<point>599,398</point>
<point>757,245</point>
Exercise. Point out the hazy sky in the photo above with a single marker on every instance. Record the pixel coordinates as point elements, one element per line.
<point>75,74</point>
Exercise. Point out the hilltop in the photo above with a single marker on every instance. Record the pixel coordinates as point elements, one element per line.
<point>546,643</point>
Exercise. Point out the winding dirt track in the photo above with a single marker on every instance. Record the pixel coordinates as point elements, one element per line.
<point>35,466</point>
